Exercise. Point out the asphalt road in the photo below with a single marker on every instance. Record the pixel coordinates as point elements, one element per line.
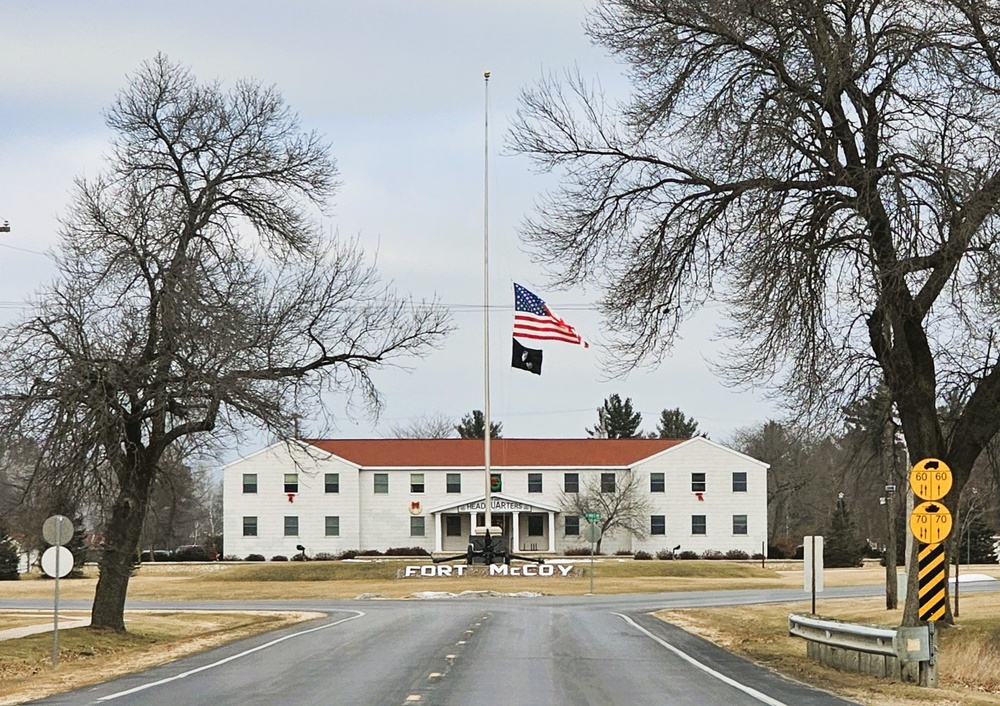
<point>551,651</point>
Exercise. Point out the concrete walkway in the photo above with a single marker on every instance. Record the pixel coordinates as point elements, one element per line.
<point>44,625</point>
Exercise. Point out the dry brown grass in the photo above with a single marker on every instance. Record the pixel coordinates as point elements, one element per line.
<point>968,669</point>
<point>90,656</point>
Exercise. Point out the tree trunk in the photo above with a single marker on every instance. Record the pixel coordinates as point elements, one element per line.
<point>121,546</point>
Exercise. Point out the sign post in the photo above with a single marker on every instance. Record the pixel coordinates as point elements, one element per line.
<point>812,564</point>
<point>930,524</point>
<point>57,561</point>
<point>593,535</point>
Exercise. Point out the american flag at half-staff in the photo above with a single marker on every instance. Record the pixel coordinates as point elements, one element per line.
<point>534,319</point>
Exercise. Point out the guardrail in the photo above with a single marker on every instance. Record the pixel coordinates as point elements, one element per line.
<point>907,654</point>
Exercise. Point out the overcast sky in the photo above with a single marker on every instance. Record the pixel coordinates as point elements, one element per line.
<point>397,89</point>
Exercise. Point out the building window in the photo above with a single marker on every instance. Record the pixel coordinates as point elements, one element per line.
<point>607,482</point>
<point>656,484</point>
<point>249,526</point>
<point>291,526</point>
<point>572,525</point>
<point>534,482</point>
<point>453,482</point>
<point>739,524</point>
<point>381,483</point>
<point>536,525</point>
<point>249,482</point>
<point>331,482</point>
<point>291,482</point>
<point>698,524</point>
<point>453,525</point>
<point>571,482</point>
<point>739,482</point>
<point>332,525</point>
<point>657,524</point>
<point>416,482</point>
<point>697,482</point>
<point>416,526</point>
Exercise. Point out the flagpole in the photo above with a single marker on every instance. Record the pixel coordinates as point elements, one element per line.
<point>488,519</point>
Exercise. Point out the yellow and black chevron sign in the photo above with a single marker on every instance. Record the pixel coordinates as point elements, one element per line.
<point>931,582</point>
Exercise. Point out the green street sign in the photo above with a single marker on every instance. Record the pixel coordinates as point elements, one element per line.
<point>592,516</point>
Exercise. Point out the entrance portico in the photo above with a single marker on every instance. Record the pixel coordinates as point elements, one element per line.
<point>531,526</point>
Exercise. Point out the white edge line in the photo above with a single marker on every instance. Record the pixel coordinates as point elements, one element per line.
<point>688,658</point>
<point>183,675</point>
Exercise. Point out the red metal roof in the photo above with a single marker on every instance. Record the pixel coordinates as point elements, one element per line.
<point>440,453</point>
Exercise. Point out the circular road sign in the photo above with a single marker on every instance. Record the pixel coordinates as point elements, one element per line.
<point>49,561</point>
<point>930,479</point>
<point>930,522</point>
<point>57,530</point>
<point>592,533</point>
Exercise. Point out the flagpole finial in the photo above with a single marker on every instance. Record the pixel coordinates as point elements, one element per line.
<point>486,75</point>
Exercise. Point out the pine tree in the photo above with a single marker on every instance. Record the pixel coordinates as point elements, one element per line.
<point>473,426</point>
<point>674,425</point>
<point>841,546</point>
<point>9,557</point>
<point>977,545</point>
<point>616,420</point>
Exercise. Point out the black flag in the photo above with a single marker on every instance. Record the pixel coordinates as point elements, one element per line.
<point>529,359</point>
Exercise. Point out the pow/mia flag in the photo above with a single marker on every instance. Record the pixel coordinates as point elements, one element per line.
<point>529,359</point>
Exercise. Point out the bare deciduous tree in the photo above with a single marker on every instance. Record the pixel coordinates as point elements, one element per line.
<point>195,296</point>
<point>625,507</point>
<point>434,426</point>
<point>827,169</point>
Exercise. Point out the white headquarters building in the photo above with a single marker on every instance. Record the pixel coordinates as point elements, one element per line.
<point>332,495</point>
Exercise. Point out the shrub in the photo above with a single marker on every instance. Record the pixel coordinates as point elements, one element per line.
<point>369,552</point>
<point>623,552</point>
<point>254,557</point>
<point>406,551</point>
<point>323,556</point>
<point>737,554</point>
<point>664,554</point>
<point>712,554</point>
<point>757,557</point>
<point>347,554</point>
<point>642,556</point>
<point>279,557</point>
<point>687,554</point>
<point>299,557</point>
<point>580,551</point>
<point>231,557</point>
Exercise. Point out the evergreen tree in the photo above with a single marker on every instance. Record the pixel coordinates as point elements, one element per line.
<point>841,546</point>
<point>9,557</point>
<point>473,426</point>
<point>616,420</point>
<point>977,545</point>
<point>674,425</point>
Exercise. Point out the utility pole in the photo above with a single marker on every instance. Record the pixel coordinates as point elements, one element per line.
<point>891,585</point>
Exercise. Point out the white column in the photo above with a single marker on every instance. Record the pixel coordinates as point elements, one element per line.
<point>515,535</point>
<point>472,523</point>
<point>439,532</point>
<point>552,532</point>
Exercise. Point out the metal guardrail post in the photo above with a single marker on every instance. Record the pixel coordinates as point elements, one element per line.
<point>910,646</point>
